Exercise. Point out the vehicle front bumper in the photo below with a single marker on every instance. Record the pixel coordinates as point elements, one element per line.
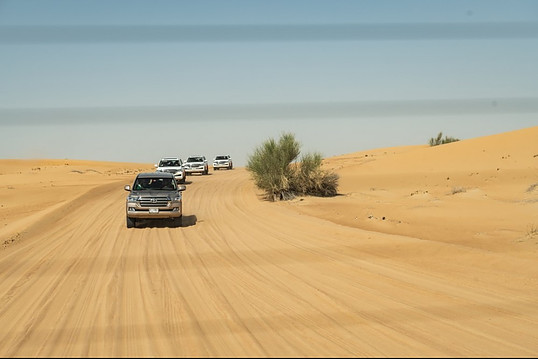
<point>134,211</point>
<point>197,169</point>
<point>221,165</point>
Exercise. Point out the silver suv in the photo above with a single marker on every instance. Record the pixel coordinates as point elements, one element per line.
<point>196,164</point>
<point>172,165</point>
<point>154,195</point>
<point>222,161</point>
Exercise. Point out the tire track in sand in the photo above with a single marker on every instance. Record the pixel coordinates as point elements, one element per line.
<point>244,278</point>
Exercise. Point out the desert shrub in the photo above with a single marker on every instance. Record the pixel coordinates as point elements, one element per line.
<point>309,179</point>
<point>270,165</point>
<point>458,190</point>
<point>275,170</point>
<point>439,140</point>
<point>532,187</point>
<point>532,231</point>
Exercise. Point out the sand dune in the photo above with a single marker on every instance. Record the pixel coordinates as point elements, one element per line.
<point>426,251</point>
<point>480,192</point>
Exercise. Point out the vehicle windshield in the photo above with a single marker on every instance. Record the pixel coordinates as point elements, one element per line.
<point>221,158</point>
<point>169,163</point>
<point>195,159</point>
<point>164,184</point>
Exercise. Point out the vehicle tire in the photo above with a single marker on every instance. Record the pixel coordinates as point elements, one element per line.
<point>215,168</point>
<point>178,221</point>
<point>131,222</point>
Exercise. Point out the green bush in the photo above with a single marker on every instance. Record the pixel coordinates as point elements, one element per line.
<point>439,140</point>
<point>310,179</point>
<point>275,170</point>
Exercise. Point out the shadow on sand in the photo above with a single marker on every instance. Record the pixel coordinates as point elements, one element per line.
<point>188,220</point>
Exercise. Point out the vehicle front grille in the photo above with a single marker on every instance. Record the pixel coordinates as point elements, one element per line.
<point>152,202</point>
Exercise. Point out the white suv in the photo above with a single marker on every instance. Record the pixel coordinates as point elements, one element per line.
<point>222,161</point>
<point>196,164</point>
<point>172,165</point>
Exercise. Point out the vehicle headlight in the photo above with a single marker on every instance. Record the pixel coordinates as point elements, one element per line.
<point>176,198</point>
<point>132,198</point>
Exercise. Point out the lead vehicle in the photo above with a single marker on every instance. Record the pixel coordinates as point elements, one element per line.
<point>154,195</point>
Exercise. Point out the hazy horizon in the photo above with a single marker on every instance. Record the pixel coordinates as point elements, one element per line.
<point>133,81</point>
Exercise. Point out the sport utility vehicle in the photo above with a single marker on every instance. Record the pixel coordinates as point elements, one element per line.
<point>222,161</point>
<point>196,164</point>
<point>154,195</point>
<point>173,165</point>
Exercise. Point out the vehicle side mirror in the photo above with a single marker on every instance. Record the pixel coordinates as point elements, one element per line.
<point>181,188</point>
<point>127,188</point>
<point>156,165</point>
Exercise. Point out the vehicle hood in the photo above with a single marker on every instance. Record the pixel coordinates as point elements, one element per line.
<point>156,193</point>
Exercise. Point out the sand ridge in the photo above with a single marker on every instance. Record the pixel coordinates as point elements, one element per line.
<point>479,191</point>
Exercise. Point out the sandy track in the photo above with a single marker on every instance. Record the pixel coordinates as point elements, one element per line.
<point>245,277</point>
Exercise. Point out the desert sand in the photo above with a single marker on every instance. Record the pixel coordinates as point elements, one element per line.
<point>425,252</point>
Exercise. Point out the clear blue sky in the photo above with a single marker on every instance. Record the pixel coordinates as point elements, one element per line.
<point>136,80</point>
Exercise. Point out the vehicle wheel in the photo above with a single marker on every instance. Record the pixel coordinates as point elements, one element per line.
<point>206,171</point>
<point>131,222</point>
<point>214,169</point>
<point>178,221</point>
